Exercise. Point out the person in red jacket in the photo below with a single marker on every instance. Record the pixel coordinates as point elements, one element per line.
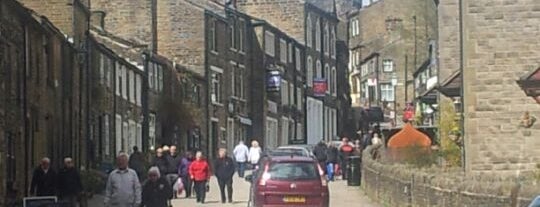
<point>199,171</point>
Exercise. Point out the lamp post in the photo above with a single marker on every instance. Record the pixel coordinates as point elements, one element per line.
<point>394,85</point>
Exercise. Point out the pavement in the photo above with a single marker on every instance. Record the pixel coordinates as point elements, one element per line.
<point>340,195</point>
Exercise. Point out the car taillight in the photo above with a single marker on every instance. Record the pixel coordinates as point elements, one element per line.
<point>324,182</point>
<point>265,176</point>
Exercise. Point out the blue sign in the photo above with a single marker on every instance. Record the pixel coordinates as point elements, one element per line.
<point>273,82</point>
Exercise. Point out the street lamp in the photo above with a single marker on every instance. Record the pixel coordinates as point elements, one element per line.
<point>394,85</point>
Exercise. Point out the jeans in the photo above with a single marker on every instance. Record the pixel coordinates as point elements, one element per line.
<point>200,190</point>
<point>241,168</point>
<point>188,185</point>
<point>330,171</point>
<point>225,183</point>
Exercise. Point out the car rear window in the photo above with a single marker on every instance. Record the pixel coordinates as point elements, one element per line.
<point>287,152</point>
<point>293,171</point>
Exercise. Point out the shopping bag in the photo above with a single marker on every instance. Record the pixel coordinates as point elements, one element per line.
<point>337,170</point>
<point>178,186</point>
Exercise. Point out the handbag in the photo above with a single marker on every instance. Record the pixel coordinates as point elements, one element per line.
<point>178,186</point>
<point>207,187</point>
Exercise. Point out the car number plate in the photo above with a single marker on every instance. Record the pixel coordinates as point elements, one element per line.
<point>294,199</point>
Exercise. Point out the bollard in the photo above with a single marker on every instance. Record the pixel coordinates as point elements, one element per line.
<point>353,171</point>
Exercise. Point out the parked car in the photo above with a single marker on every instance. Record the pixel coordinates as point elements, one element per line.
<point>535,202</point>
<point>288,181</point>
<point>302,150</point>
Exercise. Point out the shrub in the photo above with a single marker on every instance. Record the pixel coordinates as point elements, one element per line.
<point>93,181</point>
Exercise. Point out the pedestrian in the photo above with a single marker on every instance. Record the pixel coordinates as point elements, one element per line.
<point>69,182</point>
<point>320,154</point>
<point>224,171</point>
<point>173,162</point>
<point>43,179</point>
<point>123,186</point>
<point>136,162</point>
<point>346,150</point>
<point>331,161</point>
<point>255,152</point>
<point>366,139</point>
<point>241,153</point>
<point>160,161</point>
<point>183,171</point>
<point>156,191</point>
<point>199,171</point>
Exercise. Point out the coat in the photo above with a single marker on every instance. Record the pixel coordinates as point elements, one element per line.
<point>43,184</point>
<point>123,189</point>
<point>69,182</point>
<point>183,169</point>
<point>199,170</point>
<point>162,164</point>
<point>136,162</point>
<point>320,152</point>
<point>224,168</point>
<point>332,155</point>
<point>173,162</point>
<point>156,194</point>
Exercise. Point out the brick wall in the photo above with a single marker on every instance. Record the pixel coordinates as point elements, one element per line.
<point>399,185</point>
<point>131,19</point>
<point>288,15</point>
<point>501,44</point>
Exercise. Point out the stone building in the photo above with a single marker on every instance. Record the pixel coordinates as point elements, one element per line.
<point>314,27</point>
<point>385,52</point>
<point>278,86</point>
<point>44,94</point>
<point>495,45</point>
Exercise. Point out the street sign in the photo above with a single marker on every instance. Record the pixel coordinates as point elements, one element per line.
<point>319,87</point>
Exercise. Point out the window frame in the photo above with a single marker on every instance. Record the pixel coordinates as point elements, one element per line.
<point>283,50</point>
<point>309,29</point>
<point>269,36</point>
<point>309,71</point>
<point>387,92</point>
<point>388,63</point>
<point>318,35</point>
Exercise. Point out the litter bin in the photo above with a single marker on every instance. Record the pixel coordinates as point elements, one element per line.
<point>353,171</point>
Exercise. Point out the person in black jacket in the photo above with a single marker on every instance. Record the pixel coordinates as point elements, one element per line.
<point>224,171</point>
<point>156,190</point>
<point>43,180</point>
<point>69,182</point>
<point>160,161</point>
<point>332,159</point>
<point>173,162</point>
<point>320,154</point>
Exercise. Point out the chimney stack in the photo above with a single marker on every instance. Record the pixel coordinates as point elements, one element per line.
<point>98,19</point>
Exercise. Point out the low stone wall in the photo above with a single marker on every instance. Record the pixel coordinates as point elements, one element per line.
<point>401,185</point>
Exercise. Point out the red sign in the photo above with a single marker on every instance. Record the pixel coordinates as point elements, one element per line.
<point>319,87</point>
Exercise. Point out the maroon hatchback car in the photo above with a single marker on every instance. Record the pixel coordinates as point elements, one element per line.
<point>289,181</point>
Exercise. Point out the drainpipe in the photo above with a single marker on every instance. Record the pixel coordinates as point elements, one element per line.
<point>461,65</point>
<point>25,111</point>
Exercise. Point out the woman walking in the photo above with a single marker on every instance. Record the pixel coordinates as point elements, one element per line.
<point>183,172</point>
<point>199,172</point>
<point>156,191</point>
<point>255,152</point>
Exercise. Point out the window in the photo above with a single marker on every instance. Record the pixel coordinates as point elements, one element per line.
<point>241,30</point>
<point>354,84</point>
<point>152,130</point>
<point>318,35</point>
<point>160,78</point>
<point>318,70</point>
<point>354,27</point>
<point>299,131</point>
<point>132,136</point>
<point>139,89</point>
<point>283,50</point>
<point>309,31</point>
<point>232,30</point>
<point>388,66</point>
<point>271,132</point>
<point>125,137</point>
<point>132,86</point>
<point>352,63</point>
<point>326,39</point>
<point>212,43</point>
<point>327,77</point>
<point>333,86</point>
<point>333,43</point>
<point>387,92</point>
<point>125,82</point>
<point>216,87</point>
<point>118,135</point>
<point>139,135</point>
<point>284,130</point>
<point>106,136</point>
<point>101,68</point>
<point>284,93</point>
<point>298,59</point>
<point>230,130</point>
<point>299,97</point>
<point>151,79</point>
<point>238,81</point>
<point>269,45</point>
<point>291,93</point>
<point>118,72</point>
<point>309,71</point>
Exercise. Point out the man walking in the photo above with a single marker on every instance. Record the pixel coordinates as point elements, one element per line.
<point>346,150</point>
<point>224,169</point>
<point>160,161</point>
<point>123,186</point>
<point>241,153</point>
<point>43,179</point>
<point>320,154</point>
<point>173,160</point>
<point>69,182</point>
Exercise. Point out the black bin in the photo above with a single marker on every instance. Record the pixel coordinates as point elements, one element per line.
<point>353,171</point>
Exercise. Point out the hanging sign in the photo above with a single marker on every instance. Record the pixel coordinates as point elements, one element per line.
<point>273,82</point>
<point>319,87</point>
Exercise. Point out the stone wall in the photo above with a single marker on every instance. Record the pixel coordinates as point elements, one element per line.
<point>400,185</point>
<point>500,45</point>
<point>448,42</point>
